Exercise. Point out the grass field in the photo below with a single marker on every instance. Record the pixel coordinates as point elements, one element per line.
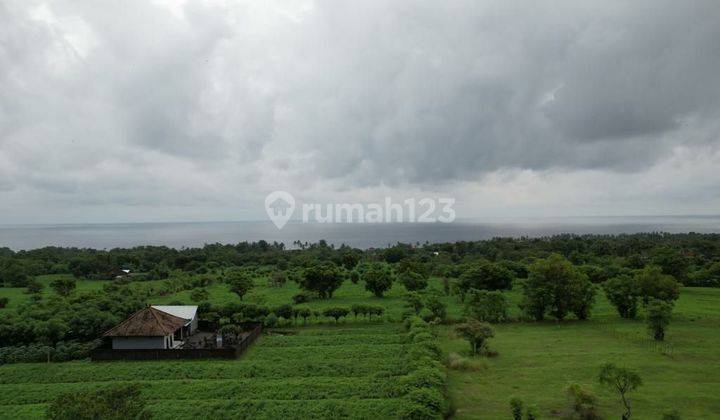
<point>318,372</point>
<point>537,361</point>
<point>17,295</point>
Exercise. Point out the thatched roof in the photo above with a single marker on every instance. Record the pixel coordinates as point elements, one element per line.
<point>147,322</point>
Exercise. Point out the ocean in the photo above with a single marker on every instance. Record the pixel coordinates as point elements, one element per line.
<point>178,235</point>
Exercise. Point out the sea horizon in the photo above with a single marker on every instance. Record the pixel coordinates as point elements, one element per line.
<point>359,235</point>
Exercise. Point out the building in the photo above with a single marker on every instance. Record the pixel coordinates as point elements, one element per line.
<point>155,327</point>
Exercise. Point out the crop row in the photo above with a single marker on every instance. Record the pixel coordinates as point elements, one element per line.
<point>327,340</point>
<point>246,368</point>
<point>276,389</point>
<point>282,354</point>
<point>252,409</point>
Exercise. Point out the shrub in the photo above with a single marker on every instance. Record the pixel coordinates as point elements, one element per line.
<point>4,301</point>
<point>516,408</point>
<point>414,301</point>
<point>582,404</point>
<point>322,278</point>
<point>658,318</point>
<point>485,275</point>
<point>301,297</point>
<point>477,333</point>
<point>270,321</point>
<point>119,402</point>
<point>436,307</point>
<point>198,295</point>
<point>486,306</point>
<point>623,293</point>
<point>378,279</point>
<point>413,281</point>
<point>336,312</point>
<point>556,287</point>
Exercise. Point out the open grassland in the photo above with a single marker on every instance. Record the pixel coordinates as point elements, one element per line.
<point>537,361</point>
<point>17,295</point>
<point>309,373</point>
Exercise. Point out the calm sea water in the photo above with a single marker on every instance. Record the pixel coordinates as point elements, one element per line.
<point>178,235</point>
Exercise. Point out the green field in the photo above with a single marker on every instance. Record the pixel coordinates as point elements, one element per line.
<point>314,372</point>
<point>537,361</point>
<point>351,368</point>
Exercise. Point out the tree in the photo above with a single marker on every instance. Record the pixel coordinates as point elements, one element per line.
<point>658,314</point>
<point>671,262</point>
<point>487,306</point>
<point>278,279</point>
<point>116,403</point>
<point>336,312</point>
<point>556,287</point>
<point>476,333</point>
<point>436,307</point>
<point>63,286</point>
<point>414,301</point>
<point>413,281</point>
<point>34,287</point>
<point>653,284</point>
<point>14,273</point>
<point>200,294</point>
<point>623,293</point>
<point>378,279</point>
<point>239,282</point>
<point>485,276</point>
<point>622,380</point>
<point>322,278</point>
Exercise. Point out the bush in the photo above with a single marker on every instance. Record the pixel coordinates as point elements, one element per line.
<point>119,402</point>
<point>378,279</point>
<point>413,281</point>
<point>477,333</point>
<point>301,297</point>
<point>658,318</point>
<point>623,293</point>
<point>556,287</point>
<point>4,301</point>
<point>486,306</point>
<point>582,404</point>
<point>198,295</point>
<point>516,408</point>
<point>485,276</point>
<point>336,312</point>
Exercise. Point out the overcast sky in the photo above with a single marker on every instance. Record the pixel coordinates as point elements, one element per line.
<point>180,111</point>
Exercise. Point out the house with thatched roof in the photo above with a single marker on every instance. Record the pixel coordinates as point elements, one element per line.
<point>155,327</point>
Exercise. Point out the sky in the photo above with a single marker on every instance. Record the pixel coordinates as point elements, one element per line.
<point>194,111</point>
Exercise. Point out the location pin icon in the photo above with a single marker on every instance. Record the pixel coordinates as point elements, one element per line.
<point>279,206</point>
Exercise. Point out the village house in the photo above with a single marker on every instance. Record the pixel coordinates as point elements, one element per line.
<point>155,327</point>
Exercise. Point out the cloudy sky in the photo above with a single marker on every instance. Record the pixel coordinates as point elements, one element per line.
<point>180,111</point>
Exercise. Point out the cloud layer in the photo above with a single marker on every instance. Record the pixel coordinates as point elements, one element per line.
<point>191,110</point>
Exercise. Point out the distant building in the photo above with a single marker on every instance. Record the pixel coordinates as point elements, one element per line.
<point>155,327</point>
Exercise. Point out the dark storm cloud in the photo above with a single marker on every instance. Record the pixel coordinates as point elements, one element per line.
<point>186,99</point>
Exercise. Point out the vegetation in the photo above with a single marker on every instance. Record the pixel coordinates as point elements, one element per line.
<point>556,287</point>
<point>622,380</point>
<point>658,318</point>
<point>331,347</point>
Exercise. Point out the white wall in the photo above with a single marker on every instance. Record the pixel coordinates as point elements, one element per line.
<point>119,343</point>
